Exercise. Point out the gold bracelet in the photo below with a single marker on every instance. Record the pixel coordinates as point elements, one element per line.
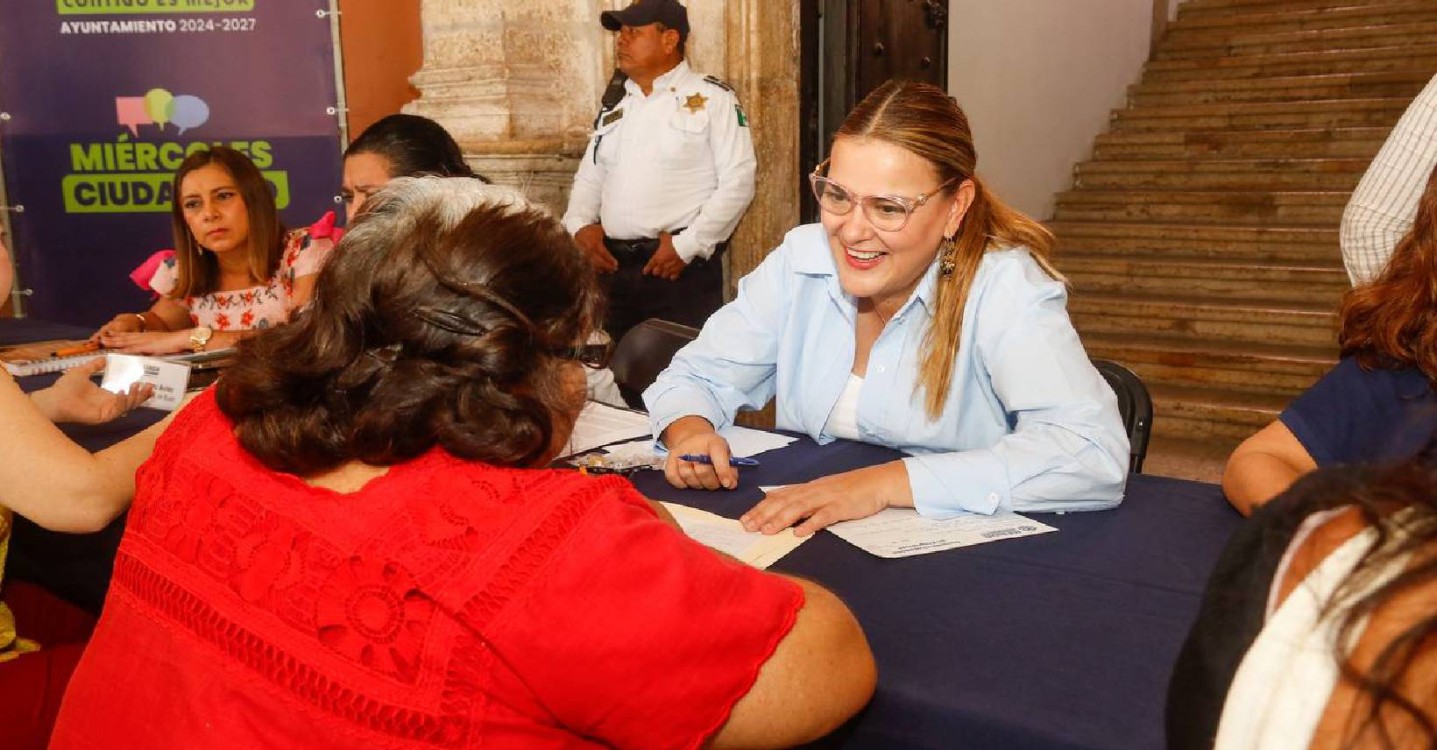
<point>144,324</point>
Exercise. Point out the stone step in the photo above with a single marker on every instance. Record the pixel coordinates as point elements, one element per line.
<point>1260,18</point>
<point>1201,239</point>
<point>1191,8</point>
<point>1268,369</point>
<point>1114,274</point>
<point>1198,460</point>
<point>1254,321</point>
<point>1213,174</point>
<point>1303,245</point>
<point>1302,208</point>
<point>1371,60</point>
<point>1404,84</point>
<point>1361,142</point>
<point>1259,42</point>
<point>1327,113</point>
<point>1211,413</point>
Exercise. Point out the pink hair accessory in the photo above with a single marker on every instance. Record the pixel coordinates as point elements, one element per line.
<point>325,228</point>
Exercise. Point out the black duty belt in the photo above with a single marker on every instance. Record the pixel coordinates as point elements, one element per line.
<point>645,245</point>
<point>641,245</point>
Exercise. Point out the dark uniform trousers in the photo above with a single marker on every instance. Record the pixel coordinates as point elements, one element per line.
<point>634,297</point>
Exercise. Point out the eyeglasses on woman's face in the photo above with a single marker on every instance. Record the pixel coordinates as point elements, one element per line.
<point>595,354</point>
<point>888,213</point>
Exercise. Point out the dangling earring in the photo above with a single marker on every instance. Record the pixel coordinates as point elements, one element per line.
<point>946,250</point>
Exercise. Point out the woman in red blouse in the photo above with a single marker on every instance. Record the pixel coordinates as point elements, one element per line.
<point>349,541</point>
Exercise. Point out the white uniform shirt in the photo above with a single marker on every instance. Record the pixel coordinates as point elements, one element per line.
<point>679,158</point>
<point>1384,205</point>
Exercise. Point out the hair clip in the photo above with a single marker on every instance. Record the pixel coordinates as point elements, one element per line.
<point>450,321</point>
<point>385,355</point>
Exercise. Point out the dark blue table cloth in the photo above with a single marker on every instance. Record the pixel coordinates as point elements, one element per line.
<point>1062,640</point>
<point>27,330</point>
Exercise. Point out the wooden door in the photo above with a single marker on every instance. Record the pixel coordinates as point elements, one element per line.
<point>849,48</point>
<point>905,39</point>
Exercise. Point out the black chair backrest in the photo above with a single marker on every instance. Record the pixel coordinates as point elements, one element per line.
<point>1134,404</point>
<point>643,353</point>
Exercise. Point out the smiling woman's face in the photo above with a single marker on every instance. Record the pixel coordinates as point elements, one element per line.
<point>879,265</point>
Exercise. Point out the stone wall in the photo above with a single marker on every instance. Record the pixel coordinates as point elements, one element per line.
<point>518,85</point>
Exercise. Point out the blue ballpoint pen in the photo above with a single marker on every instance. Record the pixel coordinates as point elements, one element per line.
<point>699,458</point>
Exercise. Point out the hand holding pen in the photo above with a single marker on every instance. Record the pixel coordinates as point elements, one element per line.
<point>699,458</point>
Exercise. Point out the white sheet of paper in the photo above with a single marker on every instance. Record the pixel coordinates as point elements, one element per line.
<point>901,532</point>
<point>601,424</point>
<point>170,379</point>
<point>744,442</point>
<point>728,536</point>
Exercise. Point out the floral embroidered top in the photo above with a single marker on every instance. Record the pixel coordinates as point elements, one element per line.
<point>258,307</point>
<point>447,603</point>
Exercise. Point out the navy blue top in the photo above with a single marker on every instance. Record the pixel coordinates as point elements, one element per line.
<point>1354,415</point>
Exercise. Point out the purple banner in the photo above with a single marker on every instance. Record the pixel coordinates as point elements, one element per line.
<point>104,99</point>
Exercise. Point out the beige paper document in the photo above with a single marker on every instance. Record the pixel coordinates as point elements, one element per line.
<point>728,536</point>
<point>901,532</point>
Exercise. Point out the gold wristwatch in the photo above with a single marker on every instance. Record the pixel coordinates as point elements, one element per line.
<point>199,336</point>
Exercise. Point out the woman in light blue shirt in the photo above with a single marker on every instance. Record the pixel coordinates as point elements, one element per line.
<point>921,314</point>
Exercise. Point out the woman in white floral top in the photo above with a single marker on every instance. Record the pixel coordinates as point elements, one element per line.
<point>234,270</point>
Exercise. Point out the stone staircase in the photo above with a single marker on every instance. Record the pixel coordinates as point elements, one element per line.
<point>1201,238</point>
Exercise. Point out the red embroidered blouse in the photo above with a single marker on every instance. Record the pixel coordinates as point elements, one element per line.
<point>445,604</point>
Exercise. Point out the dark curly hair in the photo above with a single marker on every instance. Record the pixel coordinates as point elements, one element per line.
<point>439,320</point>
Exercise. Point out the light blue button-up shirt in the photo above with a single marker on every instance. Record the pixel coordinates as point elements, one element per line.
<point>1029,424</point>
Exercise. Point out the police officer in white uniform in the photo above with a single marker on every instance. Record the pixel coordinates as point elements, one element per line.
<point>668,173</point>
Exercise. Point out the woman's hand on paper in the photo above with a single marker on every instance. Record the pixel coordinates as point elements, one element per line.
<point>154,342</point>
<point>76,398</point>
<point>841,497</point>
<point>694,436</point>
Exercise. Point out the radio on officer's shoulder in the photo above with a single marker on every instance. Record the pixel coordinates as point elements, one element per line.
<point>615,91</point>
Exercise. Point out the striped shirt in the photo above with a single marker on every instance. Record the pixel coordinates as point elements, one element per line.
<point>1384,204</point>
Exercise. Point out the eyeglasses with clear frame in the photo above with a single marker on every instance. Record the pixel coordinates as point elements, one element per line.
<point>889,213</point>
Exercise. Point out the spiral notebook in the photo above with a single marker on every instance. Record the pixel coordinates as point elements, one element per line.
<point>56,355</point>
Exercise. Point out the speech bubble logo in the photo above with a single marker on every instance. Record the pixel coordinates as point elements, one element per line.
<point>189,112</point>
<point>159,104</point>
<point>130,112</point>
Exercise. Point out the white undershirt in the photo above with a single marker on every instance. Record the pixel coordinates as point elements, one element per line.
<point>1281,689</point>
<point>843,420</point>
